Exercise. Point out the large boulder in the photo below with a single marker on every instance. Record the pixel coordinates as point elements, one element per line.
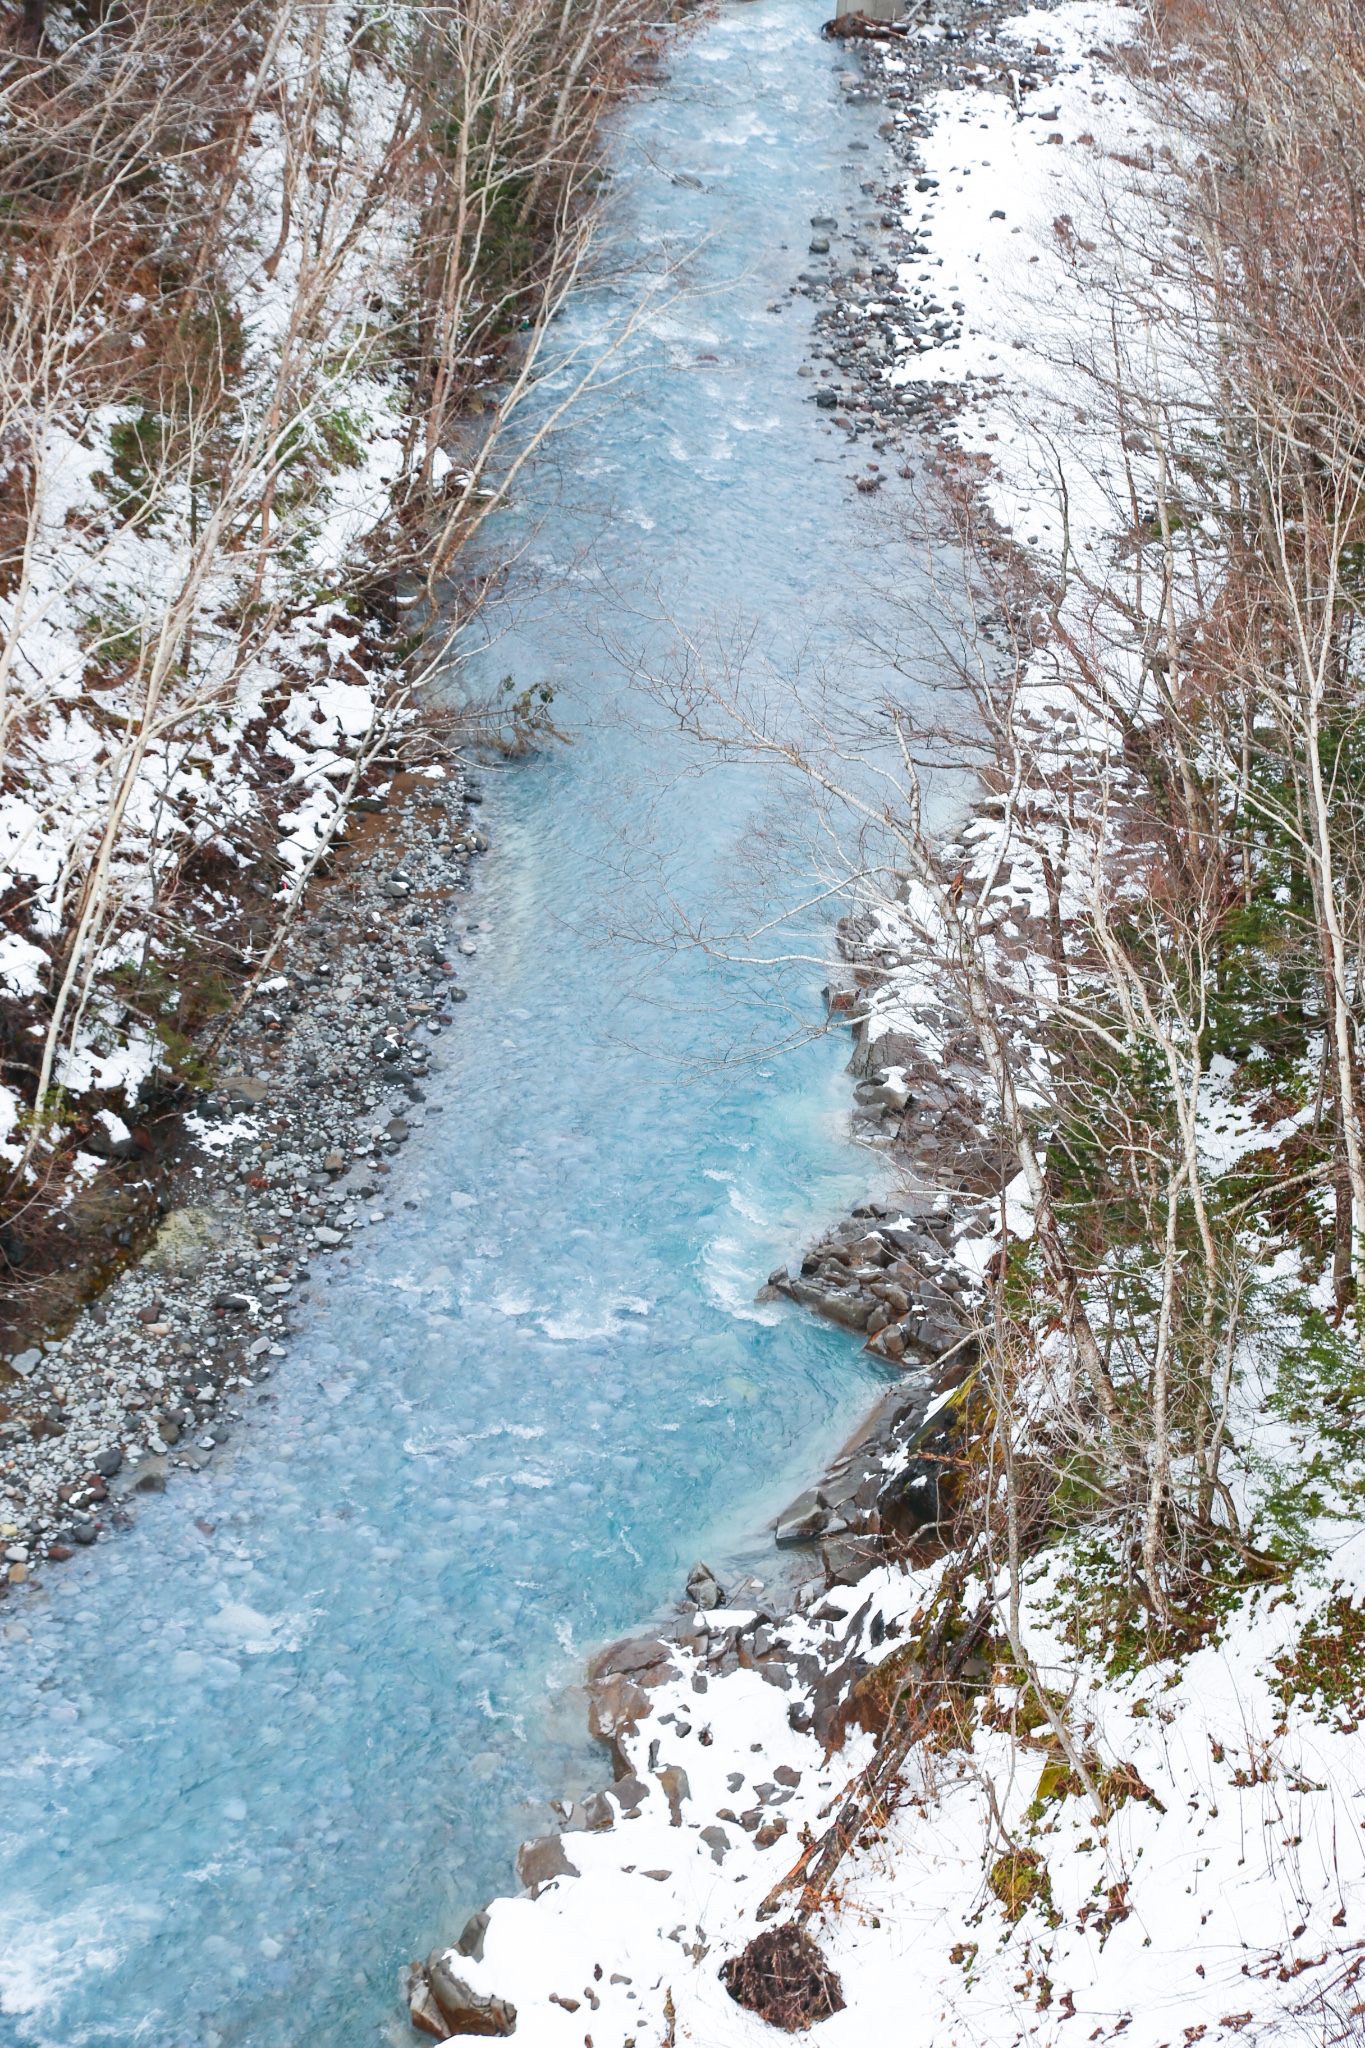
<point>541,1861</point>
<point>423,2011</point>
<point>644,1658</point>
<point>704,1588</point>
<point>804,1520</point>
<point>464,2010</point>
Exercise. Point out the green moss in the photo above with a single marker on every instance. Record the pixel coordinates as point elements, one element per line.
<point>1021,1880</point>
<point>1326,1669</point>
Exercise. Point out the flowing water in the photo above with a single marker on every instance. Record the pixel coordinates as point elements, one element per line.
<point>287,1730</point>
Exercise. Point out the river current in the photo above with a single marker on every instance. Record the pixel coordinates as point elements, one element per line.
<point>287,1730</point>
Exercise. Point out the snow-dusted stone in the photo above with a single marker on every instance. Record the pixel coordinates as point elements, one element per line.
<point>591,1815</point>
<point>615,1706</point>
<point>674,1783</point>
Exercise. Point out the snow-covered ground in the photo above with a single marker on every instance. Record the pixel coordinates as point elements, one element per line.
<point>185,685</point>
<point>1035,195</point>
<point>1225,1891</point>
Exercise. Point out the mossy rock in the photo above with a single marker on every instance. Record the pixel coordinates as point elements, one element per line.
<point>184,1237</point>
<point>1021,1880</point>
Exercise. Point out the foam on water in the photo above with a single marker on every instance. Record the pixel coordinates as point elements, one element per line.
<point>286,1731</point>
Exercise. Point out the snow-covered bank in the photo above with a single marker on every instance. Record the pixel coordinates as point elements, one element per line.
<point>1223,1892</point>
<point>193,684</point>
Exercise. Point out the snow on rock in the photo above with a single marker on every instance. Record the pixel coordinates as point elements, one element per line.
<point>22,965</point>
<point>1227,1873</point>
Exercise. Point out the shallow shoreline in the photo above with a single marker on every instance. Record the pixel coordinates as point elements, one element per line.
<point>153,1373</point>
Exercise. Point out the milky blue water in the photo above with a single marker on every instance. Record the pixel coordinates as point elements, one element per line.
<point>286,1731</point>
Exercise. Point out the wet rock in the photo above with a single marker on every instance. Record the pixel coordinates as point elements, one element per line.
<point>803,1521</point>
<point>470,1942</point>
<point>541,1861</point>
<point>423,2012</point>
<point>84,1533</point>
<point>703,1587</point>
<point>846,1305</point>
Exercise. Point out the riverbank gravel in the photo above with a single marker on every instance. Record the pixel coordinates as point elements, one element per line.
<point>292,1153</point>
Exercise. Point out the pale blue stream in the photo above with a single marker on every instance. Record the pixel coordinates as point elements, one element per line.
<point>286,1731</point>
